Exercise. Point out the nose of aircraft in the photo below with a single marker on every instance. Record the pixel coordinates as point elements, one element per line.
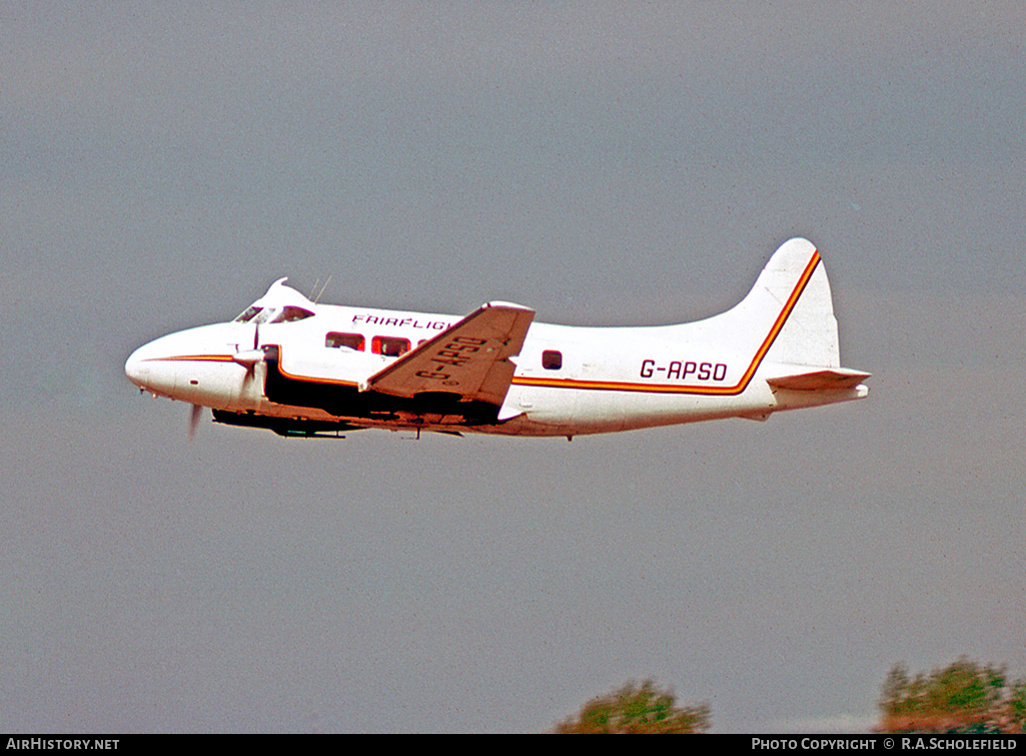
<point>186,365</point>
<point>135,368</point>
<point>152,366</point>
<point>149,368</point>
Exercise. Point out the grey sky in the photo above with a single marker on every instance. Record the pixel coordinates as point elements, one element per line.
<point>603,163</point>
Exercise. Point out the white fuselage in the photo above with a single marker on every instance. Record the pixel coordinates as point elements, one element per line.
<point>606,380</point>
<point>290,364</point>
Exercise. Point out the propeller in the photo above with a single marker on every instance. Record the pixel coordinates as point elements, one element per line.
<point>194,418</point>
<point>248,358</point>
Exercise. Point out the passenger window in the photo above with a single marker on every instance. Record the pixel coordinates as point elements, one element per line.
<point>350,340</point>
<point>552,360</point>
<point>390,346</point>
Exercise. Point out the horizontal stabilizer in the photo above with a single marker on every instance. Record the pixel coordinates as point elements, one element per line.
<point>828,379</point>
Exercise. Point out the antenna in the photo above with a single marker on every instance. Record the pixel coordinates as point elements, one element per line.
<point>322,289</point>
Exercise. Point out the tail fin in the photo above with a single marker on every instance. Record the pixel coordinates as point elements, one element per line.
<point>791,307</point>
<point>785,331</point>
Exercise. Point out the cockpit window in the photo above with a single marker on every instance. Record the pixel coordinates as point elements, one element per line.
<point>248,315</point>
<point>291,313</point>
<point>262,315</point>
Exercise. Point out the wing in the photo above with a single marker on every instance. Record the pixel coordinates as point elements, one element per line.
<point>470,360</point>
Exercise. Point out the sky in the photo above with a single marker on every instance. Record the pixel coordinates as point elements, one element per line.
<point>602,163</point>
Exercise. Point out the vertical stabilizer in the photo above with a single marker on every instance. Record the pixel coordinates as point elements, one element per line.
<point>791,304</point>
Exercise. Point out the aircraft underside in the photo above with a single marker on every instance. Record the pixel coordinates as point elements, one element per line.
<point>347,401</point>
<point>309,408</point>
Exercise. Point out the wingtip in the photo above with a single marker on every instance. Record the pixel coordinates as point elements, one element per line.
<point>507,306</point>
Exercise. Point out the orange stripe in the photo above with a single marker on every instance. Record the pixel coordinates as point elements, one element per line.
<point>307,378</point>
<point>229,358</point>
<point>194,358</point>
<point>706,390</point>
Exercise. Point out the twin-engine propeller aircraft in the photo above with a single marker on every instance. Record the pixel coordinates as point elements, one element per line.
<point>300,368</point>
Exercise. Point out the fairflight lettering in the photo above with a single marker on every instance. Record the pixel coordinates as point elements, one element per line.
<point>381,320</point>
